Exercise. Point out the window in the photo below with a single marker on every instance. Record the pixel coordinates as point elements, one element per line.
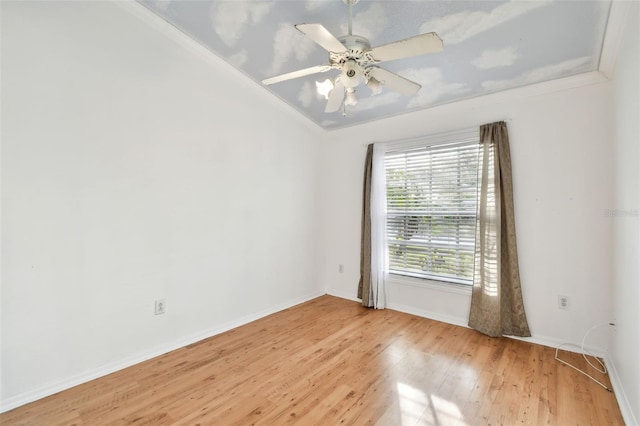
<point>431,207</point>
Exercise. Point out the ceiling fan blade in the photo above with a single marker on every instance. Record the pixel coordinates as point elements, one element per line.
<point>336,96</point>
<point>295,74</point>
<point>394,81</point>
<point>412,46</point>
<point>322,36</point>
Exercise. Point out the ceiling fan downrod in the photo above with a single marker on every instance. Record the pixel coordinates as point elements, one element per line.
<point>350,4</point>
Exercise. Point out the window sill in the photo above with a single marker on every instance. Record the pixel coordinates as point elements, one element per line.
<point>430,284</point>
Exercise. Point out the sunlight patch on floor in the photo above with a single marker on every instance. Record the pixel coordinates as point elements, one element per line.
<point>445,413</point>
<point>416,408</point>
<point>412,404</point>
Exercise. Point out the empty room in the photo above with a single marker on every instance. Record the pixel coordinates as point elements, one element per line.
<point>320,212</point>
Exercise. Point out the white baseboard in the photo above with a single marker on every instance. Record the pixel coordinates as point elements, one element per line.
<point>623,402</point>
<point>58,386</point>
<point>342,295</point>
<point>569,346</point>
<point>462,322</point>
<point>52,388</point>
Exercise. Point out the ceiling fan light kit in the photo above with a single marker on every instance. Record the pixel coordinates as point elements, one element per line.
<point>375,85</point>
<point>324,87</point>
<point>356,60</point>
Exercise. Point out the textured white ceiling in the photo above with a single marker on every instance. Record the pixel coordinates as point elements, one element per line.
<point>489,46</point>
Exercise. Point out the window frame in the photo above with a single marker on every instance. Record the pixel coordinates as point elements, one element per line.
<point>468,136</point>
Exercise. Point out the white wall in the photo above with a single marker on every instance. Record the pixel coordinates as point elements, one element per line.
<point>625,342</point>
<point>134,169</point>
<point>562,172</point>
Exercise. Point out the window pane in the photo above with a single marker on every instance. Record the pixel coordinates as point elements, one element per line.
<point>431,211</point>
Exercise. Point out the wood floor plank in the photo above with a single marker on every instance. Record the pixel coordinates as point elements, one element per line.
<point>331,361</point>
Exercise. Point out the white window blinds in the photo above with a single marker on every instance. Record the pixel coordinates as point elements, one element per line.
<point>431,209</point>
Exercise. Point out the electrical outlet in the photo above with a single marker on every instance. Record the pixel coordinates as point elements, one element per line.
<point>160,306</point>
<point>564,302</point>
<point>341,268</point>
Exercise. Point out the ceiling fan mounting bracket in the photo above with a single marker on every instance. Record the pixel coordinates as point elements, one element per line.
<point>350,2</point>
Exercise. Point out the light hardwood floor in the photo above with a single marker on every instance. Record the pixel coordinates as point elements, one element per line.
<point>329,362</point>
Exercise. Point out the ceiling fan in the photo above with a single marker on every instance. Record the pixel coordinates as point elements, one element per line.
<point>357,61</point>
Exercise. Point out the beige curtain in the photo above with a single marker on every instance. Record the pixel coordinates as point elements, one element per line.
<point>496,302</point>
<point>364,286</point>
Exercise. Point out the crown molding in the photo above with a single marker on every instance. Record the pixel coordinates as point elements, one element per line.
<point>613,36</point>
